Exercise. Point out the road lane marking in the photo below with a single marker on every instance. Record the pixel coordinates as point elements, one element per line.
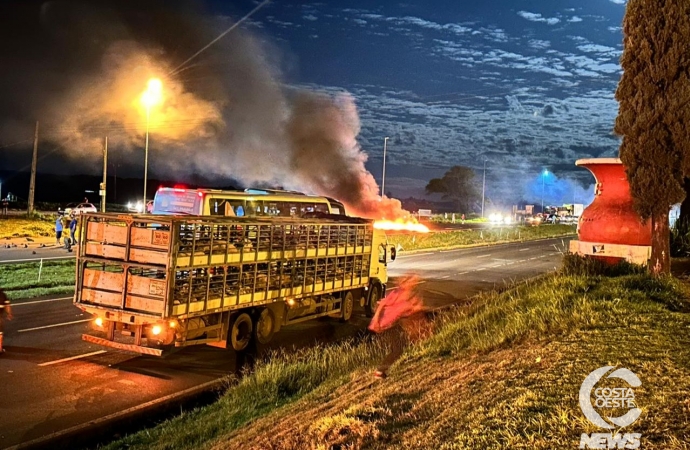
<point>429,264</point>
<point>14,305</point>
<point>462,273</point>
<point>523,249</point>
<point>54,325</point>
<point>72,358</point>
<point>483,256</point>
<point>8,261</point>
<point>479,270</point>
<point>447,276</point>
<point>409,255</point>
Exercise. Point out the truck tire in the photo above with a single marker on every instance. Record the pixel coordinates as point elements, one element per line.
<point>374,297</point>
<point>265,325</point>
<point>240,332</point>
<point>347,305</point>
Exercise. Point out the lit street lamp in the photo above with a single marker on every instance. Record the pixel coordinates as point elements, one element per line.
<point>543,175</point>
<point>151,97</point>
<point>383,179</point>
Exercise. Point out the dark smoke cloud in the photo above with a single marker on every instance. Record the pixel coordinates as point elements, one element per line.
<point>229,113</point>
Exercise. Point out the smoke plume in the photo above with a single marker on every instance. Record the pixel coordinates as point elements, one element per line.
<point>229,113</point>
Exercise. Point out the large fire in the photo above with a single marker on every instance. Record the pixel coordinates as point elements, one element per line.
<point>401,225</point>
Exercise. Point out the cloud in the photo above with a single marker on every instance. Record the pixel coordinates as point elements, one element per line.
<point>310,17</point>
<point>619,2</point>
<point>575,19</point>
<point>539,44</point>
<point>536,17</point>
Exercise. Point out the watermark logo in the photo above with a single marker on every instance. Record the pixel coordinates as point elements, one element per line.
<point>610,397</point>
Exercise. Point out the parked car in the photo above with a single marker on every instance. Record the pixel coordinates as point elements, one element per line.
<point>137,208</point>
<point>80,208</point>
<point>533,220</point>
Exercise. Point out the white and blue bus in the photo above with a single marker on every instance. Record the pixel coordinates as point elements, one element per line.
<point>247,203</point>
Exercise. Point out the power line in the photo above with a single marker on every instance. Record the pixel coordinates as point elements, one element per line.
<point>16,143</point>
<point>220,36</point>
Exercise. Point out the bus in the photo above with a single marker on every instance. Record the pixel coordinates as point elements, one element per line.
<point>247,203</point>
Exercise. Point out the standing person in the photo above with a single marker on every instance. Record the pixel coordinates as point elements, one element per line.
<point>5,314</point>
<point>73,228</point>
<point>400,317</point>
<point>58,228</point>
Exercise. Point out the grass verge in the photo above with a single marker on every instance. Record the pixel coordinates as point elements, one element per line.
<point>19,227</point>
<point>493,235</point>
<point>504,372</point>
<point>21,280</point>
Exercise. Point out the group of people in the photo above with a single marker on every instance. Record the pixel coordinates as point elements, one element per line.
<point>66,224</point>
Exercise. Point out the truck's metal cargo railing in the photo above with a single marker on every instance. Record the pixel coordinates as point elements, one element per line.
<point>140,269</point>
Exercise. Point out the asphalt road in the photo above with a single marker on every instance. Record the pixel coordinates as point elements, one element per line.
<point>50,380</point>
<point>33,253</point>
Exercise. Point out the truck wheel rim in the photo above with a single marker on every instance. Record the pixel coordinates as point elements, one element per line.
<point>348,305</point>
<point>264,326</point>
<point>374,299</point>
<point>241,332</point>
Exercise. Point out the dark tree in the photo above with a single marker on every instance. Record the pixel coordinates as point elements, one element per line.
<point>457,185</point>
<point>654,113</point>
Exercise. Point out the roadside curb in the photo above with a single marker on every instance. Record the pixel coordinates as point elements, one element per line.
<point>131,419</point>
<point>488,244</point>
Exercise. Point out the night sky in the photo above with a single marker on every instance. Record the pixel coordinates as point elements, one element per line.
<point>524,85</point>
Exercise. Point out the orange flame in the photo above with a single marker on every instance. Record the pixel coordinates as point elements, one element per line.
<point>400,225</point>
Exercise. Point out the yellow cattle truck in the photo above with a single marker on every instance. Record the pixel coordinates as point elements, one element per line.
<point>155,282</point>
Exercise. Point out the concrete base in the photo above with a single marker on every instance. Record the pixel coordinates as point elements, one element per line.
<point>636,254</point>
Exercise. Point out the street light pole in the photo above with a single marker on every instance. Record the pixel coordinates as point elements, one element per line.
<point>146,156</point>
<point>150,97</point>
<point>383,179</point>
<point>105,173</point>
<point>543,174</point>
<point>483,188</point>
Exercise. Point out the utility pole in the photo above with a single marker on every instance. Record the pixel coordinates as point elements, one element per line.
<point>105,173</point>
<point>483,188</point>
<point>32,183</point>
<point>383,179</point>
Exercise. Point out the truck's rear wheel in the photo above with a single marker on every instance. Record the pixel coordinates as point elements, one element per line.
<point>241,332</point>
<point>265,326</point>
<point>347,305</point>
<point>374,297</point>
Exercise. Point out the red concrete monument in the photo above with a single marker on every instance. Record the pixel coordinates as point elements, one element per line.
<point>609,228</point>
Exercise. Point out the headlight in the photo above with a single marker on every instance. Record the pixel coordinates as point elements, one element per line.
<point>156,330</point>
<point>98,322</point>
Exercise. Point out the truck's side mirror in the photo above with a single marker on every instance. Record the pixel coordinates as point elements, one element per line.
<point>394,253</point>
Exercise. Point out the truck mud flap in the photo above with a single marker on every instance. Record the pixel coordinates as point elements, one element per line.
<point>120,346</point>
